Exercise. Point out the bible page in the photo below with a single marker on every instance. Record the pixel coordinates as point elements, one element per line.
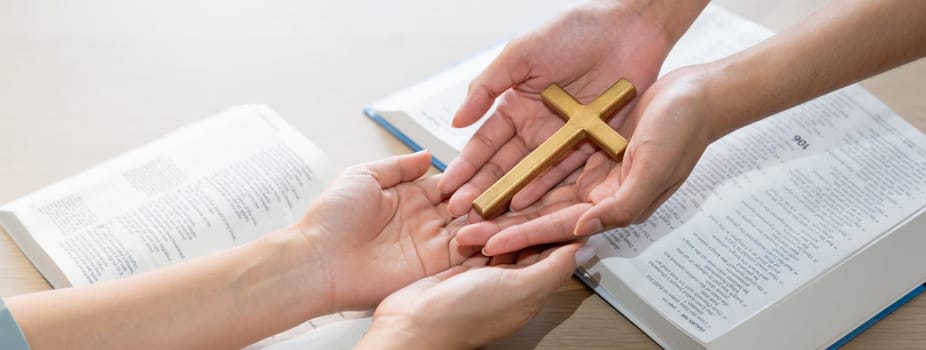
<point>209,186</point>
<point>432,103</point>
<point>771,206</point>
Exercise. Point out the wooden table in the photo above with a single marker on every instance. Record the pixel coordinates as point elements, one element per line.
<point>83,81</point>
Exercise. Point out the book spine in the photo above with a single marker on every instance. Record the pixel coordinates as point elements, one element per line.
<point>864,326</point>
<point>437,163</point>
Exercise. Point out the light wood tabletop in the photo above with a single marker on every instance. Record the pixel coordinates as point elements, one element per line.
<point>81,82</point>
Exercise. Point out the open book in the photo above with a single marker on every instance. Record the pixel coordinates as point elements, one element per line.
<point>794,232</point>
<point>210,186</point>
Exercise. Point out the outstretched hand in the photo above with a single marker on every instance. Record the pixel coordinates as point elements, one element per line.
<point>669,129</point>
<point>585,51</point>
<point>380,228</point>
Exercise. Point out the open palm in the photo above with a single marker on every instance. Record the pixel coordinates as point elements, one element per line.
<point>381,229</point>
<point>670,127</point>
<point>585,51</point>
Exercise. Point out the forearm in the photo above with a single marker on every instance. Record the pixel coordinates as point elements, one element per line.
<point>844,43</point>
<point>674,16</point>
<point>227,300</point>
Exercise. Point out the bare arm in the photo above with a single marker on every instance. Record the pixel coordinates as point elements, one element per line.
<point>373,231</point>
<point>675,119</point>
<point>227,300</point>
<point>845,42</point>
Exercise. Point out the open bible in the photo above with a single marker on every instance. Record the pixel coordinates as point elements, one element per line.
<point>794,232</point>
<point>212,185</point>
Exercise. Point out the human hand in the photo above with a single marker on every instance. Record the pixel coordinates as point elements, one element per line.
<point>670,127</point>
<point>379,227</point>
<point>469,306</point>
<point>585,50</point>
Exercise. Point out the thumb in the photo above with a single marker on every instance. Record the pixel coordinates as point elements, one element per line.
<point>507,70</point>
<point>397,169</point>
<point>548,274</point>
<point>635,194</point>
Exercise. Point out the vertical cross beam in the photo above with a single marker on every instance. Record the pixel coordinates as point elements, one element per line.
<point>581,121</point>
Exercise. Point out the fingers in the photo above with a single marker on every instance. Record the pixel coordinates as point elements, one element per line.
<point>505,71</point>
<point>395,170</point>
<point>556,226</point>
<point>551,271</point>
<point>428,185</point>
<point>504,259</point>
<point>600,177</point>
<point>505,158</point>
<point>478,233</point>
<point>528,256</point>
<point>477,260</point>
<point>464,254</point>
<point>502,161</point>
<point>415,288</point>
<point>636,193</point>
<point>484,144</point>
<point>551,177</point>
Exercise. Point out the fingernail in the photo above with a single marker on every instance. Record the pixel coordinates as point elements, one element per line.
<point>589,227</point>
<point>483,251</point>
<point>584,254</point>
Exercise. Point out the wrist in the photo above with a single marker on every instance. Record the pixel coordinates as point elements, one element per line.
<point>738,93</point>
<point>672,17</point>
<point>297,272</point>
<point>333,265</point>
<point>698,94</point>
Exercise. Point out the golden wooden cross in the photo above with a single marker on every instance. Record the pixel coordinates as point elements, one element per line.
<point>581,121</point>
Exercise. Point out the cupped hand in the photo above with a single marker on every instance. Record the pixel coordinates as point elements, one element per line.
<point>670,127</point>
<point>379,227</point>
<point>469,306</point>
<point>585,50</point>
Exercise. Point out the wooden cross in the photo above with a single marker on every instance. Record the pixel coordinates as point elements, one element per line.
<point>581,121</point>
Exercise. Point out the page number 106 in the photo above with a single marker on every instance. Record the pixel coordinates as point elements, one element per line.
<point>800,142</point>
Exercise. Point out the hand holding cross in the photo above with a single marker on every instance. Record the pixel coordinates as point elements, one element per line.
<point>581,121</point>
